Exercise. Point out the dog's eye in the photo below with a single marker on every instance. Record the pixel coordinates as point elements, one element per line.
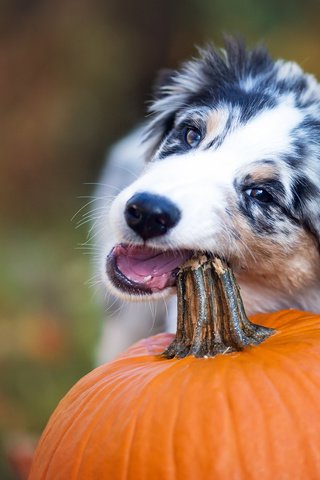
<point>192,136</point>
<point>259,194</point>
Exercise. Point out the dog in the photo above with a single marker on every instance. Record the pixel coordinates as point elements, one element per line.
<point>228,163</point>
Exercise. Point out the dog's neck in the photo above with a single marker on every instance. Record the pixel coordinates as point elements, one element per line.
<point>264,298</point>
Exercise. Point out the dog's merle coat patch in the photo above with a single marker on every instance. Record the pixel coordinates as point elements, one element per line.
<point>249,189</point>
<point>244,83</point>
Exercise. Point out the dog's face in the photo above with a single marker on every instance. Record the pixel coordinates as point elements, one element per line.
<point>234,170</point>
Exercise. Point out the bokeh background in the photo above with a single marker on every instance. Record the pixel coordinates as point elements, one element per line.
<point>75,75</point>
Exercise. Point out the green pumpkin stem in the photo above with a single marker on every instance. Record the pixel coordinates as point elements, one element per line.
<point>211,316</point>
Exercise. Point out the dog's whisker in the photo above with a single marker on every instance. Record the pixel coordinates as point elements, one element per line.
<point>82,208</point>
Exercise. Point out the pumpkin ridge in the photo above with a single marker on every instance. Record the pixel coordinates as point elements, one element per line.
<point>281,402</point>
<point>291,412</point>
<point>93,425</point>
<point>74,421</point>
<point>128,443</point>
<point>236,435</point>
<point>263,420</point>
<point>175,429</point>
<point>155,377</point>
<point>144,395</point>
<point>47,433</point>
<point>94,392</point>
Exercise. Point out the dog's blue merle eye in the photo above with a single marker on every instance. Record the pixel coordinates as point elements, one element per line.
<point>259,194</point>
<point>192,136</point>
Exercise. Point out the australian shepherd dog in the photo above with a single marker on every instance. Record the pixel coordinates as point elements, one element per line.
<point>232,166</point>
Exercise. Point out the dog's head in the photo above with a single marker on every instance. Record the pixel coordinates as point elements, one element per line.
<point>233,168</point>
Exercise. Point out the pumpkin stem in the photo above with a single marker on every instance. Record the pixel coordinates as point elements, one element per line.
<point>211,316</point>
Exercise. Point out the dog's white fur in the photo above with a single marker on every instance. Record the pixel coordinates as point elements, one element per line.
<point>278,271</point>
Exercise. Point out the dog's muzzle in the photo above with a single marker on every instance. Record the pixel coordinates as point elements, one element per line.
<point>141,269</point>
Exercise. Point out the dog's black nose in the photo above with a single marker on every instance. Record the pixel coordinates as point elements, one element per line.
<point>151,215</point>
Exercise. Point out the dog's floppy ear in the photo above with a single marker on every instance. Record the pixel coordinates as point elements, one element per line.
<point>171,92</point>
<point>166,101</point>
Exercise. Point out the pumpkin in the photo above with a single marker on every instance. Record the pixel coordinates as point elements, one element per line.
<point>249,414</point>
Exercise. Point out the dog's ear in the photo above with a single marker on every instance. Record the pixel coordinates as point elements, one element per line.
<point>171,92</point>
<point>168,96</point>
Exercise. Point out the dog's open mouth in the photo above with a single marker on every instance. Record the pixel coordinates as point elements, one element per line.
<point>138,269</point>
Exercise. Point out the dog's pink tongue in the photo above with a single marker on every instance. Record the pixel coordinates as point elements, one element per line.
<point>145,266</point>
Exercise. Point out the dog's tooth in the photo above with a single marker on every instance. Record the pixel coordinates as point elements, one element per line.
<point>148,278</point>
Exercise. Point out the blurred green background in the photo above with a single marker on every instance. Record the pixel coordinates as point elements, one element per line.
<point>74,76</point>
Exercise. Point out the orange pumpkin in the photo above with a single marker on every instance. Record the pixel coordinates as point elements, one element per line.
<point>247,415</point>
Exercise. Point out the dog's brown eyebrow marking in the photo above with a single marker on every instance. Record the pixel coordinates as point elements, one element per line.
<point>215,123</point>
<point>218,124</point>
<point>261,172</point>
